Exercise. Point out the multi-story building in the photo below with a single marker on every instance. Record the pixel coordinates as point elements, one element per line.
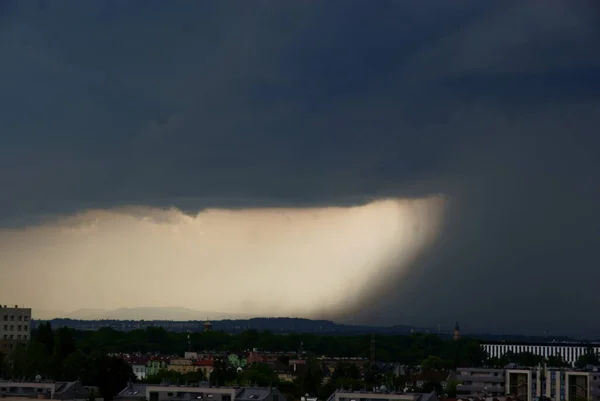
<point>44,390</point>
<point>15,326</point>
<point>528,384</point>
<point>155,392</point>
<point>569,352</point>
<point>480,382</point>
<point>382,395</point>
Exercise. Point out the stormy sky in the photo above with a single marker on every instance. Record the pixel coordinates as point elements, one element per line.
<point>112,109</point>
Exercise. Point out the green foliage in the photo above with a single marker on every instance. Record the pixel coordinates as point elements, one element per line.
<point>451,387</point>
<point>223,373</point>
<point>57,356</point>
<point>258,374</point>
<point>434,363</point>
<point>589,358</point>
<point>410,350</point>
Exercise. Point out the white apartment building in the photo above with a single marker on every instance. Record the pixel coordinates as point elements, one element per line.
<point>15,326</point>
<point>481,382</point>
<point>529,384</point>
<point>569,352</point>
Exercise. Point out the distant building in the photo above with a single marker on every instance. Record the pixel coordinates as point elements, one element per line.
<point>569,352</point>
<point>15,326</point>
<point>208,326</point>
<point>456,335</point>
<point>529,384</point>
<point>45,390</point>
<point>480,382</point>
<point>155,365</point>
<point>381,395</point>
<point>155,392</point>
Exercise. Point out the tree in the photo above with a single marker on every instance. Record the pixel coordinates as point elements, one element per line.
<point>64,343</point>
<point>451,387</point>
<point>222,373</point>
<point>589,358</point>
<point>45,336</point>
<point>110,374</point>
<point>556,361</point>
<point>74,366</point>
<point>259,374</point>
<point>435,363</point>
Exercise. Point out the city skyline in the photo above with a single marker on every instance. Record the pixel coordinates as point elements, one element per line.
<point>176,154</point>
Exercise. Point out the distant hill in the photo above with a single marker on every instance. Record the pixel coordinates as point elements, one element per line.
<point>179,319</point>
<point>275,325</point>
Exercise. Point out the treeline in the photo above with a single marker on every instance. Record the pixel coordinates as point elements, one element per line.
<point>409,350</point>
<point>58,355</point>
<point>67,354</point>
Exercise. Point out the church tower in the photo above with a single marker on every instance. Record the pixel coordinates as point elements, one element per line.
<point>207,326</point>
<point>456,332</point>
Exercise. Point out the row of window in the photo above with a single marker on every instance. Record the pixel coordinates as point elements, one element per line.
<point>19,327</point>
<point>12,337</point>
<point>20,318</point>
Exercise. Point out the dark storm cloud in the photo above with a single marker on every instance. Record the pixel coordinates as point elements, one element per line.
<point>493,103</point>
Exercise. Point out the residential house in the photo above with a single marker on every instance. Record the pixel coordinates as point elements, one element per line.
<point>155,365</point>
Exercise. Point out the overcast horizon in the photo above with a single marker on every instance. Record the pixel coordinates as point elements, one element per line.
<point>398,162</point>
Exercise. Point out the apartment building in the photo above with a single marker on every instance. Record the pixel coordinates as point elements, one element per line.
<point>480,382</point>
<point>155,392</point>
<point>15,326</point>
<point>529,384</point>
<point>569,352</point>
<point>44,390</point>
<point>346,395</point>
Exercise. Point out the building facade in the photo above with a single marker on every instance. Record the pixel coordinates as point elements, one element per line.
<point>480,382</point>
<point>555,384</point>
<point>45,390</point>
<point>151,392</point>
<point>15,326</point>
<point>568,352</point>
<point>345,395</point>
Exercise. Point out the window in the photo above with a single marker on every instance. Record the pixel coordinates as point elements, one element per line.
<point>6,318</point>
<point>25,318</point>
<point>19,327</point>
<point>6,327</point>
<point>12,318</point>
<point>20,318</point>
<point>24,336</point>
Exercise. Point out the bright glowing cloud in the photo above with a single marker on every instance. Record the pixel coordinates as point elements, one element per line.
<point>267,262</point>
